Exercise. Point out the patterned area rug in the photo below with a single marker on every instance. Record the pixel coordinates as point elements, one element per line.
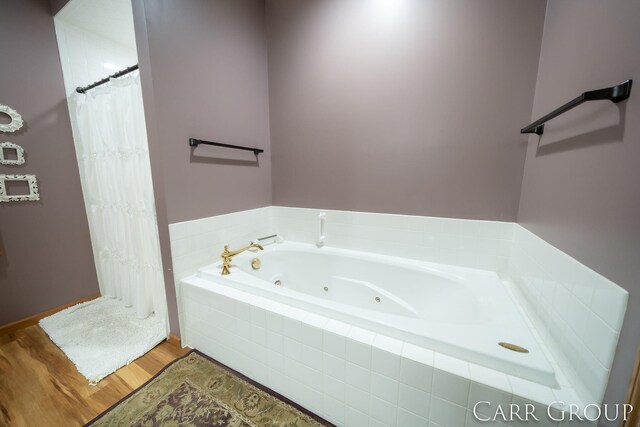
<point>198,391</point>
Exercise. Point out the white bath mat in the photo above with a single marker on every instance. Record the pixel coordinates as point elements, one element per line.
<point>102,335</point>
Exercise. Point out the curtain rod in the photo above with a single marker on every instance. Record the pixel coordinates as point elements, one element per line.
<point>106,79</point>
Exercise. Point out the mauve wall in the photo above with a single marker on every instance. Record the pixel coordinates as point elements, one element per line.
<point>203,66</point>
<point>208,63</point>
<point>57,5</point>
<point>407,106</point>
<point>48,259</point>
<point>580,188</point>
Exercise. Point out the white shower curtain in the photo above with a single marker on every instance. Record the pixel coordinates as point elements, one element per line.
<point>112,150</point>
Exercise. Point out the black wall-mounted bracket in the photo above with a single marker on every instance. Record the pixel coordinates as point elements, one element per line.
<point>614,94</point>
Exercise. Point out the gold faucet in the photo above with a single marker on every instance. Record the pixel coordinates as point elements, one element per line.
<point>227,255</point>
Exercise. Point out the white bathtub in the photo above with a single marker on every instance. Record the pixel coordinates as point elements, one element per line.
<point>457,311</point>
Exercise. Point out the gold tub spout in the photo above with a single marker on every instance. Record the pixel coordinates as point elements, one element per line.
<point>227,255</point>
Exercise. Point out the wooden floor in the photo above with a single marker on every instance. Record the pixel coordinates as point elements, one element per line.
<point>39,386</point>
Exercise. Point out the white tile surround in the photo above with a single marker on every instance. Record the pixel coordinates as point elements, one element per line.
<point>348,374</point>
<point>476,244</point>
<point>85,54</point>
<point>577,312</point>
<point>197,243</point>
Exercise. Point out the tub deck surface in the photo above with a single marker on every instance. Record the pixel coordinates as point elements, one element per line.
<point>460,312</point>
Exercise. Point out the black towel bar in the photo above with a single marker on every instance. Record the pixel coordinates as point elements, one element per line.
<point>195,142</point>
<point>614,94</point>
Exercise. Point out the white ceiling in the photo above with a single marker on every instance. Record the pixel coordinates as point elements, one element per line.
<point>112,19</point>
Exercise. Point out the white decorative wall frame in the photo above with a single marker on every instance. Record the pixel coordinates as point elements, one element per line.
<point>16,119</point>
<point>33,188</point>
<point>19,160</point>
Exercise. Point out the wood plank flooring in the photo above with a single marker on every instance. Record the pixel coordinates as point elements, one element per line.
<point>39,386</point>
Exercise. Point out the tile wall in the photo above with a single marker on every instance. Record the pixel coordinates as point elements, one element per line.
<point>197,243</point>
<point>88,57</point>
<point>578,312</point>
<point>471,243</point>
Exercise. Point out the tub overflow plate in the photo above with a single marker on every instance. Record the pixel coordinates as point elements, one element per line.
<point>513,347</point>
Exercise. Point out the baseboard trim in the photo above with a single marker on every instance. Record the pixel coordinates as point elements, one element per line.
<point>633,395</point>
<point>34,319</point>
<point>175,340</point>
